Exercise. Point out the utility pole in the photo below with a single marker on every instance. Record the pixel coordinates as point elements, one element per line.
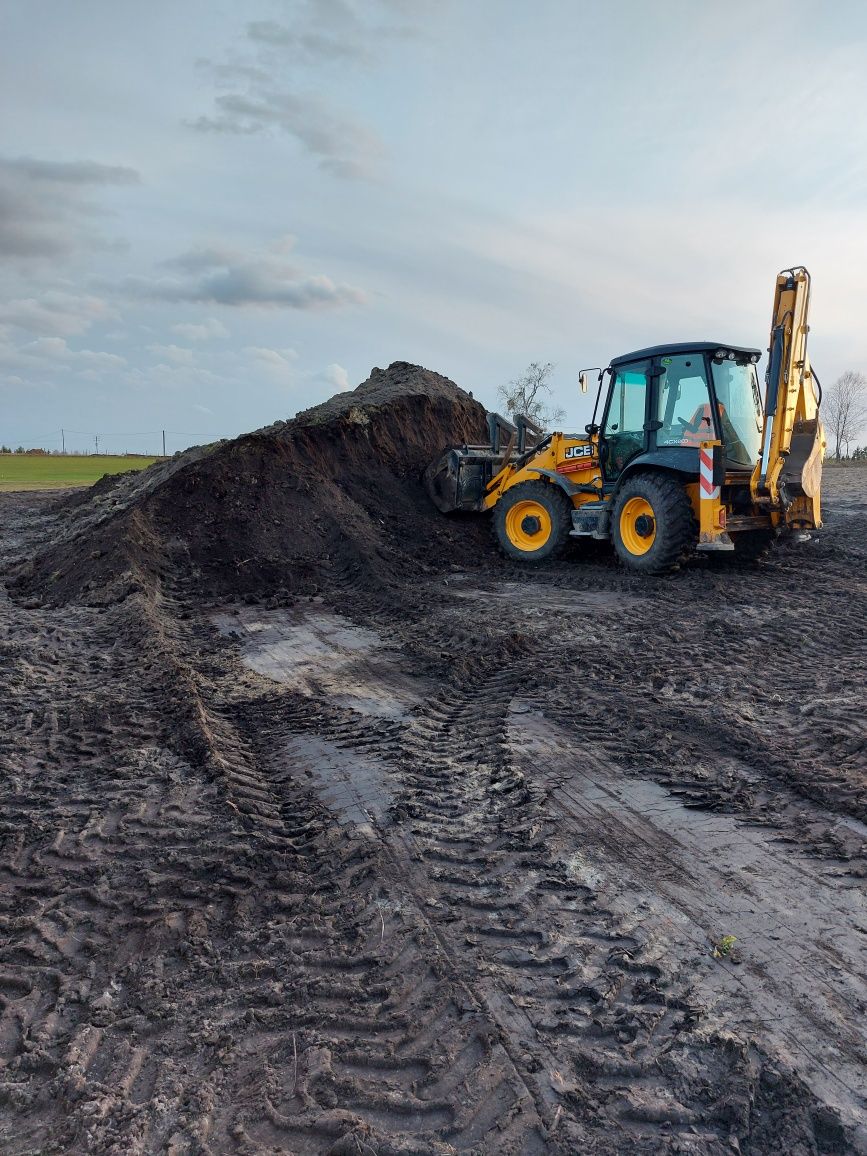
<point>164,443</point>
<point>62,442</point>
<point>96,443</point>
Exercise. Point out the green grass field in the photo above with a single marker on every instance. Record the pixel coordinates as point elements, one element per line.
<point>20,472</point>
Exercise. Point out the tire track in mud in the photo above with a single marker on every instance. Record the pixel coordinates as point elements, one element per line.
<point>243,975</point>
<point>134,902</point>
<point>742,691</point>
<point>108,883</point>
<point>797,978</point>
<point>446,1029</point>
<point>206,945</point>
<point>436,861</point>
<point>563,976</point>
<point>593,1023</point>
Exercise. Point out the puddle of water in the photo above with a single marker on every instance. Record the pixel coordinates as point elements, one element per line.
<point>290,647</point>
<point>357,789</point>
<point>322,654</point>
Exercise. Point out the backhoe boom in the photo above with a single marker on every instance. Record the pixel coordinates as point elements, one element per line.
<point>787,477</point>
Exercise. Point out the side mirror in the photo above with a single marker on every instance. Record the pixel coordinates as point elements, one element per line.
<point>584,377</point>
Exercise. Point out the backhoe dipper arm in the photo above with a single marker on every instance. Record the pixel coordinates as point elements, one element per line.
<point>787,477</point>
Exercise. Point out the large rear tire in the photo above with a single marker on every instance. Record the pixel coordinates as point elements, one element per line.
<point>654,528</point>
<point>532,522</point>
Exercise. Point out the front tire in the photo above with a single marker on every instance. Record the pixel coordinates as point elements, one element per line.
<point>532,522</point>
<point>654,528</point>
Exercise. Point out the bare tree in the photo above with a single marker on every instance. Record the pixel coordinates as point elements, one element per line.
<point>528,394</point>
<point>844,409</point>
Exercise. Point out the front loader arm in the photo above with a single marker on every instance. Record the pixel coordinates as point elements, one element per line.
<point>787,478</point>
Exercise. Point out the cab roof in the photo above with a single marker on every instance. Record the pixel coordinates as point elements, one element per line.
<point>683,347</point>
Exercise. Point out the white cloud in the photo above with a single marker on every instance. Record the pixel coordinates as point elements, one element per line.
<point>171,376</point>
<point>53,347</point>
<point>337,376</point>
<point>207,330</point>
<point>344,146</point>
<point>277,364</point>
<point>334,31</point>
<point>47,208</point>
<point>54,313</point>
<point>330,32</point>
<point>306,42</point>
<point>275,356</point>
<point>70,172</point>
<point>225,276</point>
<point>47,355</point>
<point>175,354</point>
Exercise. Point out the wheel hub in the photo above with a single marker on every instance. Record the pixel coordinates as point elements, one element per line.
<point>528,525</point>
<point>637,525</point>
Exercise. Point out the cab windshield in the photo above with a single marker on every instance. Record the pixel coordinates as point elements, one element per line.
<point>739,405</point>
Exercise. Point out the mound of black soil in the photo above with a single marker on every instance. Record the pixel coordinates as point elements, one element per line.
<point>333,496</point>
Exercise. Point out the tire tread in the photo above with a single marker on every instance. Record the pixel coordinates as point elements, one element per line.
<point>559,507</point>
<point>673,511</point>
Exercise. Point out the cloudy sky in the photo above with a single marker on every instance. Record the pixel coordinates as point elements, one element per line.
<point>214,213</point>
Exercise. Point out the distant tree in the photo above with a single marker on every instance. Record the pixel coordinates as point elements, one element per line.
<point>844,409</point>
<point>5,450</point>
<point>20,450</point>
<point>529,393</point>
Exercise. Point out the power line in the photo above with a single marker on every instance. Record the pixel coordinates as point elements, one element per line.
<point>59,435</point>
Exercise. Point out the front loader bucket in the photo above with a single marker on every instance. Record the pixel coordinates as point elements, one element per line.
<point>458,478</point>
<point>441,479</point>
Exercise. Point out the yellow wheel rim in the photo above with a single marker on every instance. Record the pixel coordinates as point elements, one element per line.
<point>637,525</point>
<point>528,525</point>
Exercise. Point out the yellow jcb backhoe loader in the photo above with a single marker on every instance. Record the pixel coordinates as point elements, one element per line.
<point>686,456</point>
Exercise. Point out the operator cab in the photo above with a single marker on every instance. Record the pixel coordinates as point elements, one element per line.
<point>665,400</point>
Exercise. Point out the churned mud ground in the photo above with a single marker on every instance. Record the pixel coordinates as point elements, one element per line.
<point>452,867</point>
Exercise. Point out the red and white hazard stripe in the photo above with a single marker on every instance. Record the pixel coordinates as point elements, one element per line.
<point>705,475</point>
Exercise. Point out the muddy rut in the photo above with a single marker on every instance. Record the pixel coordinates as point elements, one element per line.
<point>446,867</point>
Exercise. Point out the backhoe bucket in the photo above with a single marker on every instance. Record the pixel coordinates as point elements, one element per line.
<point>802,471</point>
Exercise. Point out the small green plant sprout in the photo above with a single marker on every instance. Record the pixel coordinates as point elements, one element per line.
<point>722,948</point>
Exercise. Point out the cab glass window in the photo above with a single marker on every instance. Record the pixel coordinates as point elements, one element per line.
<point>683,406</point>
<point>624,423</point>
<point>740,409</point>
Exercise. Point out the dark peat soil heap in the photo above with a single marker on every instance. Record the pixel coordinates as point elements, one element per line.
<point>332,498</point>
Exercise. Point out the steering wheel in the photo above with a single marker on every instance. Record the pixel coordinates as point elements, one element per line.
<point>689,426</point>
